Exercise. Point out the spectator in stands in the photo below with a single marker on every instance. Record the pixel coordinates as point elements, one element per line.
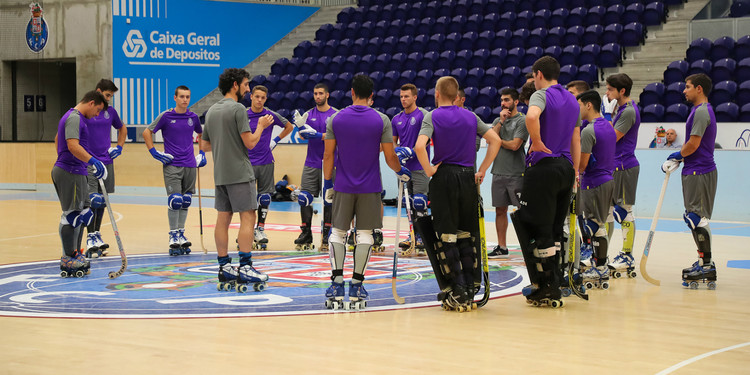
<point>671,140</point>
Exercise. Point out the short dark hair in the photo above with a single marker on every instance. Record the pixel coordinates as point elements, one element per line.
<point>362,86</point>
<point>181,87</point>
<point>620,81</point>
<point>701,80</point>
<point>461,93</point>
<point>549,67</point>
<point>410,87</point>
<point>229,77</point>
<point>97,97</point>
<point>591,96</point>
<point>106,85</point>
<point>509,91</point>
<point>526,91</point>
<point>259,87</point>
<point>529,75</point>
<point>321,86</point>
<point>580,86</point>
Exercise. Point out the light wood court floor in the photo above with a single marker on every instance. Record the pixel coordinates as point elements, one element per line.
<point>633,328</point>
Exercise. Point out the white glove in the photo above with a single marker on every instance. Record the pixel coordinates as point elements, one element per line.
<point>670,165</point>
<point>300,120</point>
<point>329,196</point>
<point>307,129</point>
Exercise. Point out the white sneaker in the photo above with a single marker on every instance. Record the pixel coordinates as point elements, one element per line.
<point>174,239</point>
<point>183,240</point>
<point>91,242</point>
<point>622,261</point>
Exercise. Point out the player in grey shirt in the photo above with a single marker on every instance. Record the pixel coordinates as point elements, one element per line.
<point>227,135</point>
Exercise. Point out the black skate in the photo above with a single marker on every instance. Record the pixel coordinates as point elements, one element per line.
<point>697,274</point>
<point>324,239</point>
<point>456,299</point>
<point>544,296</point>
<point>377,246</point>
<point>304,241</point>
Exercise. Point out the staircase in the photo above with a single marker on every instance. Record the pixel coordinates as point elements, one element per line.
<point>283,48</point>
<point>665,43</point>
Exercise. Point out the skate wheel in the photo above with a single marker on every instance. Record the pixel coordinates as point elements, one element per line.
<point>259,287</point>
<point>219,286</point>
<point>535,303</point>
<point>711,285</point>
<point>474,306</point>
<point>632,274</point>
<point>335,305</point>
<point>242,288</point>
<point>327,304</point>
<point>227,286</point>
<point>693,285</point>
<point>589,285</point>
<point>617,275</point>
<point>556,303</point>
<point>347,305</point>
<point>80,273</point>
<point>566,292</point>
<point>186,251</point>
<point>63,274</point>
<point>605,285</point>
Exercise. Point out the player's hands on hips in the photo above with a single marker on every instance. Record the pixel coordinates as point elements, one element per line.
<point>404,174</point>
<point>100,171</point>
<point>328,192</point>
<point>675,156</point>
<point>163,157</point>
<point>539,147</point>
<point>274,142</point>
<point>404,154</point>
<point>200,159</point>
<point>115,151</point>
<point>670,165</point>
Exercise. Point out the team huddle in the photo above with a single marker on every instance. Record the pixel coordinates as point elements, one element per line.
<point>573,151</point>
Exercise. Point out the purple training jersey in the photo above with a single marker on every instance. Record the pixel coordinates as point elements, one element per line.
<point>71,126</point>
<point>453,131</point>
<point>100,135</point>
<point>261,153</point>
<point>598,139</point>
<point>701,122</point>
<point>177,130</point>
<point>406,127</point>
<point>358,130</point>
<point>560,115</point>
<point>315,147</point>
<point>627,121</point>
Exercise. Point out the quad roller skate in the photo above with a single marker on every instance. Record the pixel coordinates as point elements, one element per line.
<point>455,300</point>
<point>587,256</point>
<point>227,278</point>
<point>377,246</point>
<point>623,265</point>
<point>260,241</point>
<point>596,277</point>
<point>335,296</point>
<point>324,239</point>
<point>103,246</point>
<point>92,248</point>
<point>577,283</point>
<point>357,297</point>
<point>75,266</point>
<point>697,274</point>
<point>351,241</point>
<point>249,275</point>
<point>543,296</point>
<point>184,242</point>
<point>174,243</point>
<point>304,241</point>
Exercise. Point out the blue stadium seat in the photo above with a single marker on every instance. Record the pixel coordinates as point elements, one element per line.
<point>437,74</point>
<point>289,100</point>
<point>490,22</point>
<point>484,113</point>
<point>502,39</point>
<point>299,83</point>
<point>633,34</point>
<point>407,76</point>
<point>425,26</point>
<point>745,113</point>
<point>511,77</point>
<point>497,58</point>
<point>314,79</point>
<point>457,24</point>
<point>350,64</point>
<point>397,61</point>
<point>316,49</point>
<point>338,31</point>
<point>283,83</point>
<point>522,108</point>
<point>337,64</point>
<point>365,64</point>
<point>519,38</point>
<point>739,8</point>
<point>468,40</point>
<point>573,35</point>
<point>723,92</point>
<point>507,5</point>
<point>613,14</point>
<point>652,113</point>
<point>633,13</point>
<point>460,75</point>
<point>382,98</point>
<point>279,67</point>
<point>375,76</point>
<point>612,33</point>
<point>676,71</point>
<point>742,47</point>
<point>555,36</point>
<point>423,78</point>
<point>610,56</point>
<point>592,35</point>
<point>742,72</point>
<point>570,55</point>
<point>673,94</point>
<point>393,111</point>
<point>445,61</point>
<point>410,26</point>
<point>429,61</point>
<point>537,37</point>
<point>743,94</point>
<point>676,113</point>
<point>652,94</point>
<point>395,28</point>
<point>257,80</point>
<point>523,19</point>
<point>345,15</point>
<point>576,17</point>
<point>491,77</point>
<point>344,81</point>
<point>540,19</point>
<point>474,77</point>
<point>388,45</point>
<point>329,49</point>
<point>727,112</point>
<point>471,93</point>
<point>654,14</point>
<point>441,25</point>
<point>699,49</point>
<point>436,42</point>
<point>554,51</point>
<point>507,21</point>
<point>420,43</point>
<point>302,48</point>
<point>477,7</point>
<point>381,29</point>
<point>416,11</point>
<point>588,73</point>
<point>561,17</point>
<point>271,82</point>
<point>463,58</point>
<point>474,23</point>
<point>723,70</point>
<point>404,44</point>
<point>595,15</point>
<point>589,54</point>
<point>532,54</point>
<point>305,99</point>
<point>567,74</point>
<point>484,40</point>
<point>413,60</point>
<point>515,57</point>
<point>335,99</point>
<point>479,57</point>
<point>274,100</point>
<point>381,62</point>
<point>362,31</point>
<point>722,48</point>
<point>324,32</point>
<point>487,97</point>
<point>526,69</point>
<point>701,66</point>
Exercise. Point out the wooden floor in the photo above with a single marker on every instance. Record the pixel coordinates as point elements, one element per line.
<point>633,328</point>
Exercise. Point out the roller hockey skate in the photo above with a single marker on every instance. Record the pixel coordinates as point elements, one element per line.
<point>357,297</point>
<point>174,243</point>
<point>75,266</point>
<point>184,243</point>
<point>698,273</point>
<point>335,296</point>
<point>304,241</point>
<point>587,256</point>
<point>249,275</point>
<point>103,246</point>
<point>543,296</point>
<point>623,264</point>
<point>351,241</point>
<point>92,250</point>
<point>260,242</point>
<point>596,277</point>
<point>455,300</point>
<point>377,246</point>
<point>577,283</point>
<point>227,278</point>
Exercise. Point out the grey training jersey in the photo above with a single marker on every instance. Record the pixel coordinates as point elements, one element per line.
<point>507,162</point>
<point>225,122</point>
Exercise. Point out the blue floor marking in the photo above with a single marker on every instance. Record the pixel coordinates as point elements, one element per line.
<point>745,264</point>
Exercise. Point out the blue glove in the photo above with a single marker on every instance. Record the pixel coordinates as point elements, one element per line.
<point>100,172</point>
<point>164,158</point>
<point>200,159</point>
<point>675,156</point>
<point>115,151</point>
<point>404,154</point>
<point>308,136</point>
<point>274,142</point>
<point>404,174</point>
<point>328,192</point>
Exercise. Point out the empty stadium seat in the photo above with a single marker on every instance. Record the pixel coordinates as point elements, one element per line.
<point>676,113</point>
<point>573,35</point>
<point>567,74</point>
<point>673,94</point>
<point>611,33</point>
<point>742,48</point>
<point>722,48</point>
<point>570,55</point>
<point>743,93</point>
<point>589,54</point>
<point>633,34</point>
<point>676,71</point>
<point>723,92</point>
<point>592,35</point>
<point>723,70</point>
<point>633,13</point>
<point>588,73</point>
<point>698,49</point>
<point>700,66</point>
<point>727,112</point>
<point>560,18</point>
<point>614,14</point>
<point>654,14</point>
<point>652,113</point>
<point>745,113</point>
<point>652,94</point>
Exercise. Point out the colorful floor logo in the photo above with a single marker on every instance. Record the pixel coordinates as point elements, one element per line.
<point>160,286</point>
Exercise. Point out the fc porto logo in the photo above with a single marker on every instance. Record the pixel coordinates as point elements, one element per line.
<point>36,31</point>
<point>106,115</point>
<point>190,122</point>
<point>412,121</point>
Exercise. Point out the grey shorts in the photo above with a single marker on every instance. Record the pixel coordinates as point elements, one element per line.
<point>365,207</point>
<point>698,193</point>
<point>179,180</point>
<point>311,180</point>
<point>109,182</point>
<point>626,183</point>
<point>596,202</point>
<point>264,178</point>
<point>505,190</point>
<point>420,183</point>
<point>239,197</point>
<point>72,189</point>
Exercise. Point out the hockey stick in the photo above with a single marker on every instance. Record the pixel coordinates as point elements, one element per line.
<point>114,274</point>
<point>650,238</point>
<point>200,210</point>
<point>411,250</point>
<point>572,240</point>
<point>399,300</point>
<point>483,244</point>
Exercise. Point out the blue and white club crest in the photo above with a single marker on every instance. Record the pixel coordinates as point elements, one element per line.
<point>190,121</point>
<point>412,121</point>
<point>106,115</point>
<point>37,33</point>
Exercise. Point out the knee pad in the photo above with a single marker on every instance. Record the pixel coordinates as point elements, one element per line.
<point>264,200</point>
<point>97,200</point>
<point>186,200</point>
<point>174,201</point>
<point>304,198</point>
<point>77,218</point>
<point>694,221</point>
<point>337,235</point>
<point>420,202</point>
<point>593,228</point>
<point>621,213</point>
<point>546,252</point>
<point>364,237</point>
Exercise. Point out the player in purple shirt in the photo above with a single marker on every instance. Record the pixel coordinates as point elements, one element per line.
<point>313,128</point>
<point>553,121</point>
<point>356,134</point>
<point>699,177</point>
<point>406,126</point>
<point>100,128</point>
<point>261,157</point>
<point>69,177</point>
<point>626,122</point>
<point>453,193</point>
<point>179,163</point>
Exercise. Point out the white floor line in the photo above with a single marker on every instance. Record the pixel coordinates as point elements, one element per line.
<point>699,357</point>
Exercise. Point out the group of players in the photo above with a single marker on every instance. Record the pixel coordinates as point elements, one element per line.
<point>567,134</point>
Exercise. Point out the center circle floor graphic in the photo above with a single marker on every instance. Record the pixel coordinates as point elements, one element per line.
<point>163,286</point>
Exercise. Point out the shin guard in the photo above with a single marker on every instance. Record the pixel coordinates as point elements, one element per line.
<point>527,248</point>
<point>423,227</point>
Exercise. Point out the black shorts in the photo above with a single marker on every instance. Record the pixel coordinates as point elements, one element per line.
<point>453,200</point>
